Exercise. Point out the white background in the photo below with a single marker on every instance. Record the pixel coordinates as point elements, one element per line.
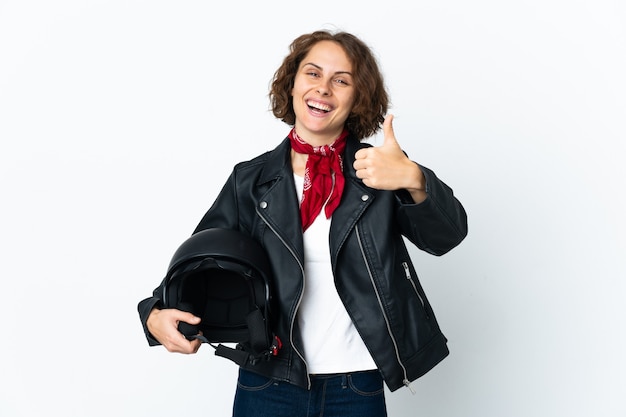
<point>120,120</point>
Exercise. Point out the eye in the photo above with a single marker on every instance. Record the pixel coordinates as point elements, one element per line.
<point>342,81</point>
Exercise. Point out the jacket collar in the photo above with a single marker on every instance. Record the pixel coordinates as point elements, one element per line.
<point>278,163</point>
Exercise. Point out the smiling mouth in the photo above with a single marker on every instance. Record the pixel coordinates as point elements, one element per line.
<point>319,107</point>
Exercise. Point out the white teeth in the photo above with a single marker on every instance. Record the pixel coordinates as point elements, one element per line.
<point>319,106</point>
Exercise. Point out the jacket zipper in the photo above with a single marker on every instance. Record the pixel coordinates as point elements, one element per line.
<point>407,272</point>
<point>405,380</point>
<point>306,365</point>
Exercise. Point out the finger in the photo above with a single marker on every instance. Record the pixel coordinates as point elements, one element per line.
<point>187,317</point>
<point>361,173</point>
<point>195,345</point>
<point>390,137</point>
<point>178,343</point>
<point>360,163</point>
<point>185,345</point>
<point>361,154</point>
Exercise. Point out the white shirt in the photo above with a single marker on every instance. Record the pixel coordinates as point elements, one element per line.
<point>331,342</point>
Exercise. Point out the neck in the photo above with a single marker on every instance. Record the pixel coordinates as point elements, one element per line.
<point>317,139</point>
<point>298,162</point>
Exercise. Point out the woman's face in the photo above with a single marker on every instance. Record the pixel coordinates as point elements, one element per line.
<point>323,93</point>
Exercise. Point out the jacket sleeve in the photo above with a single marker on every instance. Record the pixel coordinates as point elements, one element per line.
<point>436,225</point>
<point>145,307</point>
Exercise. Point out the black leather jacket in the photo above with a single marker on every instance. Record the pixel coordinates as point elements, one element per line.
<point>373,273</point>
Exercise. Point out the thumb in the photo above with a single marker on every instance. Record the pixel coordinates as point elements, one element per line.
<point>193,319</point>
<point>188,317</point>
<point>389,136</point>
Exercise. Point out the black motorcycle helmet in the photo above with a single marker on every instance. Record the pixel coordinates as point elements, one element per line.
<point>223,276</point>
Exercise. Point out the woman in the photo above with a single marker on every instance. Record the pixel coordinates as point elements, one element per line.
<point>331,211</point>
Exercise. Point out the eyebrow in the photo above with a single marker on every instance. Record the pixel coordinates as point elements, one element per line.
<point>320,68</point>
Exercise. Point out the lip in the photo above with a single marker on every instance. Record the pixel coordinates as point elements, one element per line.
<point>318,107</point>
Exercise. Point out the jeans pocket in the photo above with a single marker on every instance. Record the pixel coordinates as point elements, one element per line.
<point>251,381</point>
<point>366,383</point>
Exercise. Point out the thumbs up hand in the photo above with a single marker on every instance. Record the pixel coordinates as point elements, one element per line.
<point>386,167</point>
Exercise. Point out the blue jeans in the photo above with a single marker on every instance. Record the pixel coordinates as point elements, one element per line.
<point>358,394</point>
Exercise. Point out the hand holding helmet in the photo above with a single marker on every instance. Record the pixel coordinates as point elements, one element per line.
<point>163,325</point>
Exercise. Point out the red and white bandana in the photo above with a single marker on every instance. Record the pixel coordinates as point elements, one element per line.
<point>323,162</point>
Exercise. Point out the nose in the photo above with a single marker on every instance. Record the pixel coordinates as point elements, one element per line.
<point>324,88</point>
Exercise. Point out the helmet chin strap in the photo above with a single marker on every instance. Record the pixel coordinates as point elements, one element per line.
<point>259,348</point>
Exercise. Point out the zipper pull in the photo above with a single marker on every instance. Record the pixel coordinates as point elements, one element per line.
<point>407,384</point>
<point>406,270</point>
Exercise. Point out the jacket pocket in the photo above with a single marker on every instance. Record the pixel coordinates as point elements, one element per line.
<point>411,280</point>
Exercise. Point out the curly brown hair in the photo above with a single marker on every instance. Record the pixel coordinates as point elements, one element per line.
<point>370,96</point>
